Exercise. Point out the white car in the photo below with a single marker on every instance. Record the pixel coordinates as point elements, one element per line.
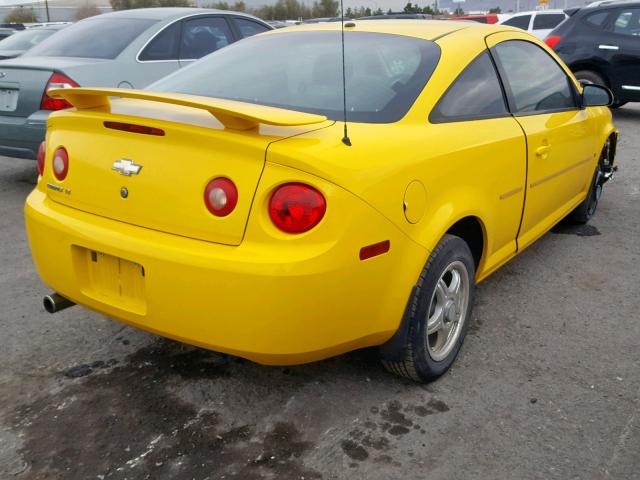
<point>538,22</point>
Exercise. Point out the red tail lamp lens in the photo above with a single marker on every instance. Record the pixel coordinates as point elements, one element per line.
<point>221,196</point>
<point>60,164</point>
<point>42,149</point>
<point>552,41</point>
<point>57,80</point>
<point>296,207</point>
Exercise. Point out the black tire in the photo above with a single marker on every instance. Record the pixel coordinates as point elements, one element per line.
<point>588,76</point>
<point>617,104</point>
<point>417,363</point>
<point>587,209</point>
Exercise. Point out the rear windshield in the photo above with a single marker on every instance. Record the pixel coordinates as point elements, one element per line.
<point>93,38</point>
<point>303,71</point>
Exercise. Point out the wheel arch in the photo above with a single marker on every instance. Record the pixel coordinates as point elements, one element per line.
<point>472,230</point>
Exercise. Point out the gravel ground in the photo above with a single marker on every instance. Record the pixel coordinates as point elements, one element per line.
<point>547,385</point>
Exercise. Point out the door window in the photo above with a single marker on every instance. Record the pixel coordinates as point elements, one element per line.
<point>249,27</point>
<point>519,21</point>
<point>547,21</point>
<point>535,80</point>
<point>628,22</point>
<point>475,94</point>
<point>164,46</point>
<point>201,36</point>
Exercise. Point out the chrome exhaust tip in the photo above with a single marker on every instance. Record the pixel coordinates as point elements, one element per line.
<point>54,303</point>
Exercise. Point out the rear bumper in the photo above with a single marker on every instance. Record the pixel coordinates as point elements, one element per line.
<point>270,303</point>
<point>20,137</point>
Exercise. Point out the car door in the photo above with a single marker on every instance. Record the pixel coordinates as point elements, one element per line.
<point>621,40</point>
<point>560,135</point>
<point>158,57</point>
<point>483,149</point>
<point>203,35</point>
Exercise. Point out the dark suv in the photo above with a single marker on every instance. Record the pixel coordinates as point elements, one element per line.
<point>601,44</point>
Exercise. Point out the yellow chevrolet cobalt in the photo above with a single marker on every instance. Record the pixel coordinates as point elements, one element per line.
<point>228,207</point>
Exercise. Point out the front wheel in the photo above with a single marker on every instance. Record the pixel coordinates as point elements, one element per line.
<point>587,209</point>
<point>440,312</point>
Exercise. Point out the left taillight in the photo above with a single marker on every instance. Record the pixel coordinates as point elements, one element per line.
<point>60,163</point>
<point>57,80</point>
<point>42,150</point>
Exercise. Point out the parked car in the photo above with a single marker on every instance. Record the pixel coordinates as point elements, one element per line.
<point>18,43</point>
<point>488,18</point>
<point>129,48</point>
<point>6,32</point>
<point>538,23</point>
<point>601,44</point>
<point>245,217</point>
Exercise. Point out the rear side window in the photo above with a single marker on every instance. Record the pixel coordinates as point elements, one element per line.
<point>546,21</point>
<point>164,46</point>
<point>249,27</point>
<point>520,21</point>
<point>475,94</point>
<point>628,22</point>
<point>92,38</point>
<point>597,19</point>
<point>536,81</point>
<point>201,36</point>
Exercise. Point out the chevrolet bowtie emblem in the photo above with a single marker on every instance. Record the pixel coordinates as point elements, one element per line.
<point>126,167</point>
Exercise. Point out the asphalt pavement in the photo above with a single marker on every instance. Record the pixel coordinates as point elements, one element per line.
<point>547,385</point>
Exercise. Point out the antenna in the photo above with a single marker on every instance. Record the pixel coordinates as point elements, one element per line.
<point>346,140</point>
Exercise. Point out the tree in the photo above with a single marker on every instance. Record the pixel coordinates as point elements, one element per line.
<point>127,4</point>
<point>21,15</point>
<point>495,10</point>
<point>458,11</point>
<point>85,11</point>
<point>325,8</point>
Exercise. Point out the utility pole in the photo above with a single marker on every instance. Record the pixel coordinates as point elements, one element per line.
<point>46,6</point>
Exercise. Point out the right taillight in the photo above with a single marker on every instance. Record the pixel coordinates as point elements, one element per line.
<point>552,41</point>
<point>57,80</point>
<point>296,207</point>
<point>42,150</point>
<point>60,163</point>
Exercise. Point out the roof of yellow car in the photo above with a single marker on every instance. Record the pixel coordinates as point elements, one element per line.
<point>426,29</point>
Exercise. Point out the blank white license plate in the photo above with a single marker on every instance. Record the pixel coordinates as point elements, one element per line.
<point>8,99</point>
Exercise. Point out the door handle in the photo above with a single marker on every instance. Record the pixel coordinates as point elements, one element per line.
<point>543,151</point>
<point>608,47</point>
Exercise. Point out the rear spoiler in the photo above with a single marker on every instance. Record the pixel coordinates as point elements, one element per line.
<point>231,113</point>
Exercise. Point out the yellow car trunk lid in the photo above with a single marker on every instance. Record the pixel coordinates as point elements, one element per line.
<point>158,179</point>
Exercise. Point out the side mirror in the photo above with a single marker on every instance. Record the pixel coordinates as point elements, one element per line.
<point>596,96</point>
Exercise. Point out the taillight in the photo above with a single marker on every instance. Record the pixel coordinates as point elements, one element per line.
<point>552,41</point>
<point>57,80</point>
<point>42,149</point>
<point>221,196</point>
<point>60,163</point>
<point>296,207</point>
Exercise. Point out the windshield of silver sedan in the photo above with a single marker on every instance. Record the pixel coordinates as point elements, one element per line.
<point>303,71</point>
